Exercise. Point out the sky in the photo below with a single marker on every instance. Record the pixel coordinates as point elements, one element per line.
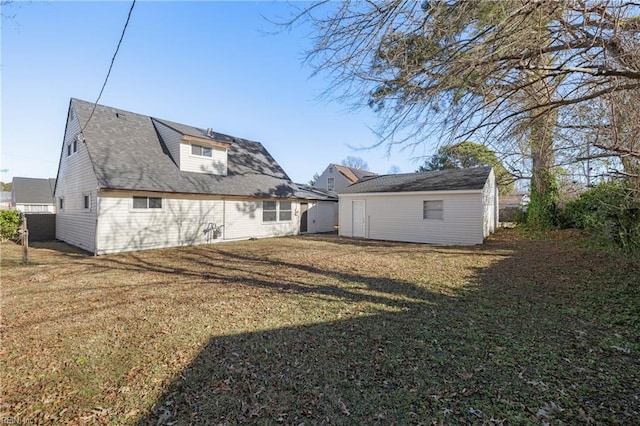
<point>219,65</point>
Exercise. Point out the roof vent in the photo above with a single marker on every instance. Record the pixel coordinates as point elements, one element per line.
<point>120,115</point>
<point>209,132</point>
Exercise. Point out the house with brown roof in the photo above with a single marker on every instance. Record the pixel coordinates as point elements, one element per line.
<point>337,178</point>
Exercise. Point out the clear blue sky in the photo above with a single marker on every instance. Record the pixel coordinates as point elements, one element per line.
<point>207,64</point>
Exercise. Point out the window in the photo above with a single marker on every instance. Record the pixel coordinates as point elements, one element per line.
<point>201,151</point>
<point>147,202</point>
<point>276,211</point>
<point>269,211</point>
<point>331,183</point>
<point>432,210</point>
<point>285,211</point>
<point>61,203</point>
<point>86,202</point>
<point>75,145</point>
<point>68,150</point>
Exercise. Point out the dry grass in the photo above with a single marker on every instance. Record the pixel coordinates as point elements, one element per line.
<point>322,330</point>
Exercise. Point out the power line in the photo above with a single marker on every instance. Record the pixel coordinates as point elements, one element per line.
<point>110,66</point>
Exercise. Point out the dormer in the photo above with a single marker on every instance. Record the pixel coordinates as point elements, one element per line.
<point>195,150</point>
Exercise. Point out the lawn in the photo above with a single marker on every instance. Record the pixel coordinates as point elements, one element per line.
<point>323,330</point>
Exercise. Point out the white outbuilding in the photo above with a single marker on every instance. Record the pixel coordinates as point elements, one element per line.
<point>457,206</point>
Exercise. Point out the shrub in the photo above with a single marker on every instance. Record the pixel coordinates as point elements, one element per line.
<point>9,224</point>
<point>611,211</point>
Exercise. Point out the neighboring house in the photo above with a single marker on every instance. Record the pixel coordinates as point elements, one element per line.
<point>128,182</point>
<point>32,195</point>
<point>336,178</point>
<point>457,206</point>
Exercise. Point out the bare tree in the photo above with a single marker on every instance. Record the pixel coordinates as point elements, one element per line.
<point>355,163</point>
<point>505,71</point>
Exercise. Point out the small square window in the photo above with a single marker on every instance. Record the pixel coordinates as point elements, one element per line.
<point>432,210</point>
<point>155,203</point>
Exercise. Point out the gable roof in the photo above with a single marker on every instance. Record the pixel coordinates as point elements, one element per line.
<point>32,190</point>
<point>438,180</point>
<point>353,175</point>
<point>127,153</point>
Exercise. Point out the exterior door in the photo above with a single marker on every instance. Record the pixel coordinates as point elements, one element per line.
<point>358,218</point>
<point>304,216</point>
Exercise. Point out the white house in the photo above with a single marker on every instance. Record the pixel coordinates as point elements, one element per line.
<point>458,206</point>
<point>337,178</point>
<point>33,195</point>
<point>129,182</point>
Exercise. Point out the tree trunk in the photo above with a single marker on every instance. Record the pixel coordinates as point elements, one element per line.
<point>544,188</point>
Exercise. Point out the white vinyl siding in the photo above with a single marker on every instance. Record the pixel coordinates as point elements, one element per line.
<point>243,219</point>
<point>181,221</point>
<point>216,164</point>
<point>171,139</point>
<point>74,224</point>
<point>399,217</point>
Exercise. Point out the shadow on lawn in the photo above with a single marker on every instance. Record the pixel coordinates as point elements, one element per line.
<point>514,345</point>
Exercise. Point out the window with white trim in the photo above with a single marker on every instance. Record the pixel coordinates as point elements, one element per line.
<point>201,151</point>
<point>147,202</point>
<point>284,214</point>
<point>276,211</point>
<point>269,211</point>
<point>432,209</point>
<point>61,203</point>
<point>86,202</point>
<point>331,184</point>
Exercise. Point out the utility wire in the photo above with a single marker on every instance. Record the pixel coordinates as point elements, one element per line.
<point>110,66</point>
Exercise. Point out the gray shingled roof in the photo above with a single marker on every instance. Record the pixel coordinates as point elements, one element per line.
<point>439,180</point>
<point>312,193</point>
<point>33,190</point>
<point>127,153</point>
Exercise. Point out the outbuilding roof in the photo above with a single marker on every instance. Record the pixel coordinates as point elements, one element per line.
<point>438,180</point>
<point>32,190</point>
<point>127,153</point>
